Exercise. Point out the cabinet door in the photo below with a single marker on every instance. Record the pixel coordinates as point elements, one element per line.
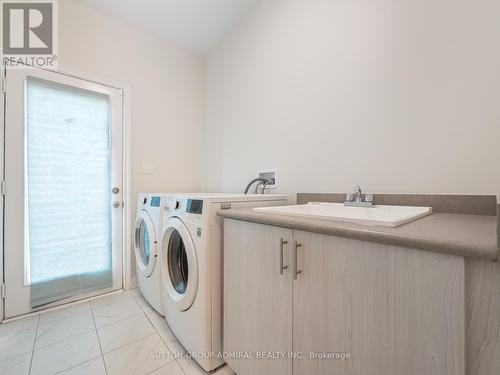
<point>483,317</point>
<point>394,310</point>
<point>257,298</point>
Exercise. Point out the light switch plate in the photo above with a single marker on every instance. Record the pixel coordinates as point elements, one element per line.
<point>147,167</point>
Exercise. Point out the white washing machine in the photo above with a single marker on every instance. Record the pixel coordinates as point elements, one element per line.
<point>146,244</point>
<point>191,264</point>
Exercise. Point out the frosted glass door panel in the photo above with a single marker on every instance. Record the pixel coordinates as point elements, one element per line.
<point>68,189</point>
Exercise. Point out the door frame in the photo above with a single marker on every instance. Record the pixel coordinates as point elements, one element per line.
<point>127,193</point>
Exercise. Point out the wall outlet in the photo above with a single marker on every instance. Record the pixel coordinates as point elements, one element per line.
<point>269,174</point>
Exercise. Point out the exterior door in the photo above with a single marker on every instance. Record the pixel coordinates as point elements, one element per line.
<point>63,200</point>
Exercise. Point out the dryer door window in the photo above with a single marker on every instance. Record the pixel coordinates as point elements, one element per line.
<point>145,244</point>
<point>178,263</point>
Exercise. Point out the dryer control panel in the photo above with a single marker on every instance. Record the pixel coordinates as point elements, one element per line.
<point>194,206</point>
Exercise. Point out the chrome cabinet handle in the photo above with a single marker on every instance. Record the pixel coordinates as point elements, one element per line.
<point>295,271</point>
<point>283,242</point>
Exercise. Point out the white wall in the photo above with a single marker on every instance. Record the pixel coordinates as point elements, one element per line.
<point>394,95</point>
<point>166,85</point>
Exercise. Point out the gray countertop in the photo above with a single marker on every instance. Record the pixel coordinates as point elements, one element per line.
<point>472,236</point>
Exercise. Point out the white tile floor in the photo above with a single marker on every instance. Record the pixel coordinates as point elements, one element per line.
<point>113,335</point>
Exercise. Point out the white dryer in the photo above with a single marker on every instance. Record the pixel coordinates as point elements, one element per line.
<point>146,244</point>
<point>191,264</point>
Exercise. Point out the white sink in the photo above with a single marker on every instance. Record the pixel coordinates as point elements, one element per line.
<point>389,216</point>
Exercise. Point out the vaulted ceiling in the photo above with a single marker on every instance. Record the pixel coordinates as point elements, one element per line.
<point>195,25</point>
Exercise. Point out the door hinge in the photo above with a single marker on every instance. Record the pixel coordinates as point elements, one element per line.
<point>3,290</point>
<point>2,187</point>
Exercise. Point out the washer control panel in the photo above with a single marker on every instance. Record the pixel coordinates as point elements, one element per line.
<point>155,201</point>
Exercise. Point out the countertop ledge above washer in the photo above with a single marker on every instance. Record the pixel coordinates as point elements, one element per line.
<point>466,235</point>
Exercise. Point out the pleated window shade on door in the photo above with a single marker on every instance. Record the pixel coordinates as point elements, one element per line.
<point>67,192</point>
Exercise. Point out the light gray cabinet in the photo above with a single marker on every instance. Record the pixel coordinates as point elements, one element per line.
<point>395,310</point>
<point>483,317</point>
<point>392,310</point>
<point>257,298</point>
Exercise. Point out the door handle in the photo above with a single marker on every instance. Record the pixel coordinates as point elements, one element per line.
<point>283,242</point>
<point>295,271</point>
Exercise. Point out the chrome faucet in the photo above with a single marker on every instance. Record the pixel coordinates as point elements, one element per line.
<point>358,199</point>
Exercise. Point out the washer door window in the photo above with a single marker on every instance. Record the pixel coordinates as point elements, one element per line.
<point>180,268</point>
<point>145,244</point>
